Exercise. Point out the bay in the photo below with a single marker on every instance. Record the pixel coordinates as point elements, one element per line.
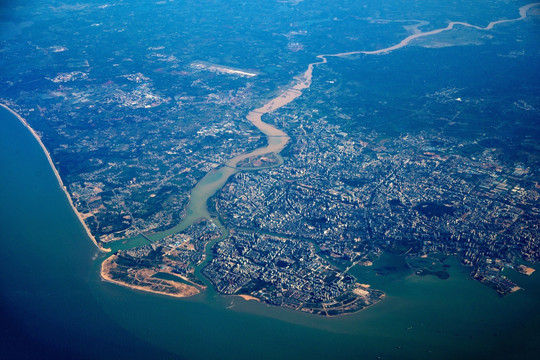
<point>52,301</point>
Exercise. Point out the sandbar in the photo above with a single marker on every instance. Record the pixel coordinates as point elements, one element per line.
<point>248,297</point>
<point>183,289</point>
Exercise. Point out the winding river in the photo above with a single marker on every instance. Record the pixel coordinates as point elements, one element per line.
<point>54,303</point>
<point>277,139</point>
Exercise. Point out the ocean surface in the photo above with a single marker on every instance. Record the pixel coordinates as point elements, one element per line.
<point>53,303</point>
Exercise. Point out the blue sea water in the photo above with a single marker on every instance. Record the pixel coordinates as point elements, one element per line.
<point>53,303</point>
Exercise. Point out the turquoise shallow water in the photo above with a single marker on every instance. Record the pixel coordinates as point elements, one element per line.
<point>53,302</point>
<point>46,264</point>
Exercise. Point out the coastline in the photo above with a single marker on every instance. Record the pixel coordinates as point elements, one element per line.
<point>105,277</point>
<point>277,138</point>
<point>57,174</point>
<point>249,298</point>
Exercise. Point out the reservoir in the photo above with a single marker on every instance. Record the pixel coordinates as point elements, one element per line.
<point>53,302</point>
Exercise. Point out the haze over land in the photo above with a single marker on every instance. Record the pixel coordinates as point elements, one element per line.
<point>280,159</point>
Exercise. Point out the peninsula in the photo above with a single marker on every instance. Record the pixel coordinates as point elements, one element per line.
<point>197,182</point>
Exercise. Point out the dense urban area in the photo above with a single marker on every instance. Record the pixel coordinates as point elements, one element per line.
<point>382,158</point>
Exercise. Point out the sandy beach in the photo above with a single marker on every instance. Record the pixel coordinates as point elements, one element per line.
<point>248,297</point>
<point>185,290</point>
<point>60,182</point>
<point>277,139</point>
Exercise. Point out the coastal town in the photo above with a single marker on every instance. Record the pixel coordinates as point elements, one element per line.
<point>342,194</point>
<point>425,201</point>
<point>281,179</point>
<point>318,183</point>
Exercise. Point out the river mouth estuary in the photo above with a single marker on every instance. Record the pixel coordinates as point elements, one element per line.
<point>174,293</point>
<point>51,285</point>
<point>116,268</point>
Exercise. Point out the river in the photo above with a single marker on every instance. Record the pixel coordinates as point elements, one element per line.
<point>53,301</point>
